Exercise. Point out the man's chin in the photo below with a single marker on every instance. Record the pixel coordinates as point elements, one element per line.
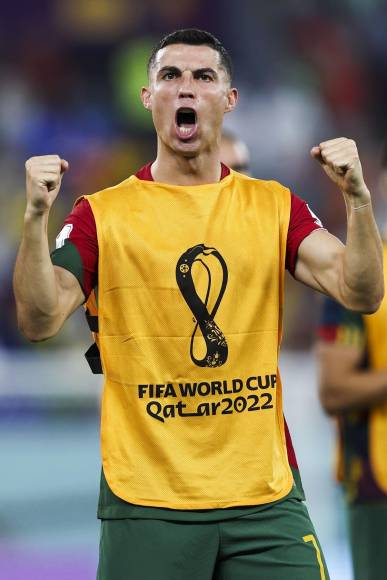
<point>187,148</point>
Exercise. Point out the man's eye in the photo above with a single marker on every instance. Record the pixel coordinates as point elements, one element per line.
<point>206,77</point>
<point>169,76</point>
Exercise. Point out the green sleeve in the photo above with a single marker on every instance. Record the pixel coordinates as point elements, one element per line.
<point>68,257</point>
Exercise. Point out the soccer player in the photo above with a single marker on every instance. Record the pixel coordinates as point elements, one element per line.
<point>182,269</point>
<point>352,355</point>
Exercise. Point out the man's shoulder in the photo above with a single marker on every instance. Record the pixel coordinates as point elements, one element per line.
<point>112,190</point>
<point>267,184</point>
<point>262,187</point>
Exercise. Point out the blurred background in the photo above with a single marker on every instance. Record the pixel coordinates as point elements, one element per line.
<point>70,74</point>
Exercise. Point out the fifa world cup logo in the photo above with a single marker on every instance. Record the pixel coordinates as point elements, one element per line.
<point>215,341</point>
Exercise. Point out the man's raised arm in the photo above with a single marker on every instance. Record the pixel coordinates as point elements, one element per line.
<point>45,294</point>
<point>352,274</point>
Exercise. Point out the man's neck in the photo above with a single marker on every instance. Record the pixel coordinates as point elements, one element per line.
<point>179,170</point>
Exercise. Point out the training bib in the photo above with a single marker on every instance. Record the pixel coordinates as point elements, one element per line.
<point>190,299</point>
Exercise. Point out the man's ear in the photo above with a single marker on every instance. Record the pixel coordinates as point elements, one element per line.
<point>146,97</point>
<point>232,99</point>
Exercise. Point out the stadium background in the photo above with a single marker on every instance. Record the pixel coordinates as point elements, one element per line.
<point>70,74</point>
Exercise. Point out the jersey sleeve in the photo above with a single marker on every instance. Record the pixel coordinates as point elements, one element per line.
<point>341,326</point>
<point>77,246</point>
<point>302,222</point>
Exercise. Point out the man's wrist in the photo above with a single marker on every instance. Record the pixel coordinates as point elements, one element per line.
<point>359,200</point>
<point>368,204</point>
<point>33,214</point>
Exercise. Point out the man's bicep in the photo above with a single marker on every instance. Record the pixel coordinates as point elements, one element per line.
<point>70,292</point>
<point>319,262</point>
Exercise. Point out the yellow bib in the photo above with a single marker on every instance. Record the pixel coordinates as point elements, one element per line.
<point>376,325</point>
<point>190,298</point>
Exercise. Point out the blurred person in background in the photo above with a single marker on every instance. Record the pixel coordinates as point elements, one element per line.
<point>234,153</point>
<point>195,483</point>
<point>352,357</point>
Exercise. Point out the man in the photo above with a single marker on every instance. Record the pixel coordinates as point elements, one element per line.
<point>352,355</point>
<point>188,259</point>
<point>234,153</point>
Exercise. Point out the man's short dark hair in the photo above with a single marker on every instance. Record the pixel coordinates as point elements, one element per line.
<point>195,37</point>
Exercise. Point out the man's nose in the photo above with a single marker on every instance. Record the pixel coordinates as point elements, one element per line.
<point>186,88</point>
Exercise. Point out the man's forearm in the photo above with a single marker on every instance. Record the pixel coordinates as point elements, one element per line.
<point>45,295</point>
<point>34,280</point>
<point>354,274</point>
<point>362,260</point>
<point>354,390</point>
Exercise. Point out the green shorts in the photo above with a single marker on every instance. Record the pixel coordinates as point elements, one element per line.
<point>368,532</point>
<point>276,543</point>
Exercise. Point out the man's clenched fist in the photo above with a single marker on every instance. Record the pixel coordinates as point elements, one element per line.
<point>43,180</point>
<point>340,160</point>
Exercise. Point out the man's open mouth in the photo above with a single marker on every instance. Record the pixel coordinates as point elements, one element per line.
<point>186,122</point>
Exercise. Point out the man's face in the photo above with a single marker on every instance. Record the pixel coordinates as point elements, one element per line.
<point>188,94</point>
